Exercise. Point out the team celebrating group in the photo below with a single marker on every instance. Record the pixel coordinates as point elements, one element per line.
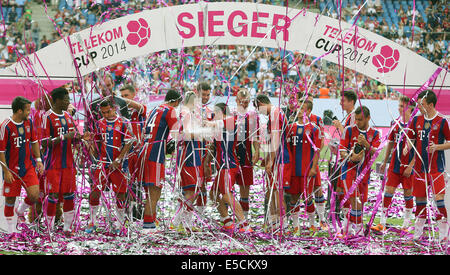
<point>124,148</point>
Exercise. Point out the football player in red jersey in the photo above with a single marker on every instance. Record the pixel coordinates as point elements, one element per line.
<point>137,111</point>
<point>207,114</point>
<point>138,116</point>
<point>432,136</point>
<point>348,102</point>
<point>189,162</point>
<point>223,152</point>
<point>41,106</point>
<point>401,165</point>
<point>161,121</point>
<point>319,198</point>
<point>304,141</point>
<point>277,163</point>
<point>113,143</point>
<point>247,147</point>
<point>357,146</point>
<point>59,134</point>
<point>19,157</point>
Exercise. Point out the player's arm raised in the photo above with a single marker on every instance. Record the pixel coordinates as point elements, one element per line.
<point>134,105</point>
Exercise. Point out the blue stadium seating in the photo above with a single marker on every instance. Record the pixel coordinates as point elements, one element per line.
<point>91,19</point>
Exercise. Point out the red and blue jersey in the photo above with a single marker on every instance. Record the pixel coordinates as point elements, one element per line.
<point>350,119</point>
<point>189,151</point>
<point>349,141</point>
<point>226,144</point>
<point>399,136</point>
<point>38,116</point>
<point>160,121</point>
<point>317,121</point>
<point>277,124</point>
<point>433,130</point>
<point>114,134</point>
<point>247,126</point>
<point>54,125</point>
<point>206,114</point>
<point>138,118</point>
<point>15,142</point>
<point>303,140</point>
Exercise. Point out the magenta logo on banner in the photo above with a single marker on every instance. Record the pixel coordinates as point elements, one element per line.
<point>387,60</point>
<point>139,32</point>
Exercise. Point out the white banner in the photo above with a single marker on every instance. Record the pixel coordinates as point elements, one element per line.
<point>233,24</point>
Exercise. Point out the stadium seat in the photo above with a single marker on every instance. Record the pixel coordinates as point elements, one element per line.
<point>5,13</point>
<point>407,30</point>
<point>322,6</point>
<point>404,4</point>
<point>91,19</point>
<point>62,5</point>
